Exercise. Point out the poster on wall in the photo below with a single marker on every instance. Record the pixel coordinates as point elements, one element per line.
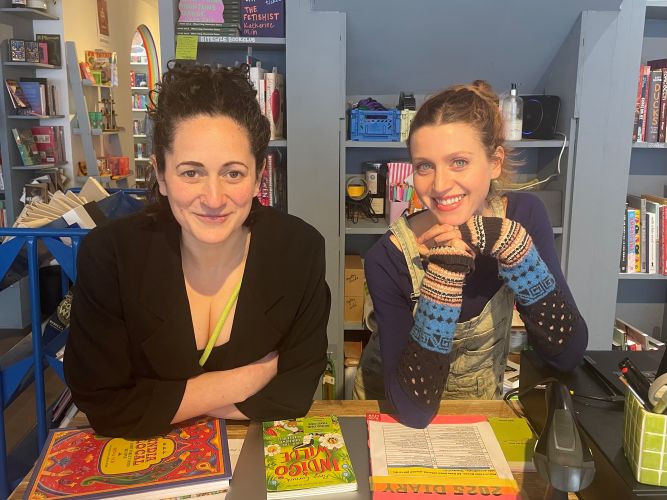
<point>102,20</point>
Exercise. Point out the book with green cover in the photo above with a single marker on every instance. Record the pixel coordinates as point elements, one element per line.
<point>306,456</point>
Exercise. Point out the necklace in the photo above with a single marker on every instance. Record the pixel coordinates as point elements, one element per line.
<point>218,327</point>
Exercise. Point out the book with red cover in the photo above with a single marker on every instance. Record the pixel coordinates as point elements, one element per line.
<point>77,463</point>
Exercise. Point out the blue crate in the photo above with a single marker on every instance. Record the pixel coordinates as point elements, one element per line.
<point>380,126</point>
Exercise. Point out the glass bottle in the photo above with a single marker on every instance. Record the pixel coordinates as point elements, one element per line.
<point>511,107</point>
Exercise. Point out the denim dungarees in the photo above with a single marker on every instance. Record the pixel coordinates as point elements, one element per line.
<point>480,347</point>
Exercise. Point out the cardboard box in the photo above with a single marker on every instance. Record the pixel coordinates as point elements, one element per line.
<point>353,309</point>
<point>354,277</point>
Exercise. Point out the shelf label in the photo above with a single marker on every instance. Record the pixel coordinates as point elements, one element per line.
<point>186,47</point>
<point>227,39</point>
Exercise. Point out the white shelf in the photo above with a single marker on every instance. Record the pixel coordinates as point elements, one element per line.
<point>641,276</point>
<point>34,117</point>
<point>97,131</point>
<point>139,136</point>
<point>41,166</point>
<point>526,143</point>
<point>142,159</point>
<point>31,65</point>
<point>138,64</point>
<point>656,9</point>
<point>138,110</point>
<point>649,145</point>
<point>366,226</point>
<point>32,14</point>
<point>242,41</point>
<point>140,88</point>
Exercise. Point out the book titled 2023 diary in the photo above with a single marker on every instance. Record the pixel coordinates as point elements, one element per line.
<point>77,463</point>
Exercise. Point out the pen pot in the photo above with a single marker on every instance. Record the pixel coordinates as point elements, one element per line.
<point>645,442</point>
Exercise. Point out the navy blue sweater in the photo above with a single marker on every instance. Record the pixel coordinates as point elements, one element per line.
<point>390,288</point>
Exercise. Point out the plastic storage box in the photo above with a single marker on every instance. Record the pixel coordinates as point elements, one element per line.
<point>379,126</point>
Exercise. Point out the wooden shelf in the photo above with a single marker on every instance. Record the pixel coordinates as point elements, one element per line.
<point>34,117</point>
<point>526,143</point>
<point>31,65</point>
<point>242,41</point>
<point>641,276</point>
<point>32,14</point>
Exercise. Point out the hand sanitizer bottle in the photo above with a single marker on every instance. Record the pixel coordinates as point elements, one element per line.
<point>511,108</point>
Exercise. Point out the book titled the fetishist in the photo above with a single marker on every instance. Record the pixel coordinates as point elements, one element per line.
<point>306,456</point>
<point>190,460</point>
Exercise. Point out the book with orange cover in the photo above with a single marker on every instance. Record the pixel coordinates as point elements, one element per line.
<point>455,456</point>
<point>192,459</point>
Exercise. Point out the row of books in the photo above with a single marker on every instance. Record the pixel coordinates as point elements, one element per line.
<point>650,124</point>
<point>301,457</point>
<point>273,184</point>
<point>138,79</point>
<point>44,49</point>
<point>139,101</point>
<point>100,67</point>
<point>33,96</point>
<point>41,145</point>
<point>644,238</point>
<point>270,88</point>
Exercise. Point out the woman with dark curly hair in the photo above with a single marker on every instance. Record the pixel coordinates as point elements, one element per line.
<point>206,303</point>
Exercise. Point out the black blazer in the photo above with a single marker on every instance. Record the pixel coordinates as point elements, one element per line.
<point>132,348</point>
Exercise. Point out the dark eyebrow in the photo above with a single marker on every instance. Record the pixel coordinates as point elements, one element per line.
<point>192,163</point>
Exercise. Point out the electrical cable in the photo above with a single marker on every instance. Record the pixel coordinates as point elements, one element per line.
<point>520,186</point>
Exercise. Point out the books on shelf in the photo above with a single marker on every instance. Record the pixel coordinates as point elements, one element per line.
<point>33,96</point>
<point>644,235</point>
<point>263,19</point>
<point>273,183</point>
<point>306,456</point>
<point>627,337</point>
<point>192,459</point>
<point>104,64</point>
<point>52,42</point>
<point>453,455</point>
<point>40,145</point>
<point>197,17</point>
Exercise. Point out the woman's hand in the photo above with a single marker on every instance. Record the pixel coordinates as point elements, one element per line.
<point>442,235</point>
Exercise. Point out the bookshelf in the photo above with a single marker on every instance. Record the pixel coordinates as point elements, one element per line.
<point>24,24</point>
<point>641,298</point>
<point>363,50</point>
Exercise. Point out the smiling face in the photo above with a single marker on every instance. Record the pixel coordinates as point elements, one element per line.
<point>452,171</point>
<point>210,178</point>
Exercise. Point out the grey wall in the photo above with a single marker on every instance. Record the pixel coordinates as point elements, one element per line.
<point>424,45</point>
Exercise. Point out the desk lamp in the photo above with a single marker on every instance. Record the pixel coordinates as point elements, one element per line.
<point>561,458</point>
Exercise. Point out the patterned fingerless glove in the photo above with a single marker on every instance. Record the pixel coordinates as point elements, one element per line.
<point>424,364</point>
<point>548,316</point>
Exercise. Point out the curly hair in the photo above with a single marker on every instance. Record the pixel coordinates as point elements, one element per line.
<point>187,91</point>
<point>474,104</point>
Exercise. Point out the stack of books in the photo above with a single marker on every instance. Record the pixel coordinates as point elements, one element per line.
<point>196,19</point>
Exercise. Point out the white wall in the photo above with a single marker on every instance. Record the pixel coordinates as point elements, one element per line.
<point>80,26</point>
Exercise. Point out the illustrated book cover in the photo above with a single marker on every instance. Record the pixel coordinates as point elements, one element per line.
<point>193,458</point>
<point>306,456</point>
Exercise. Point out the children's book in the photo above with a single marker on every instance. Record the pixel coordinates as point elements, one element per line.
<point>192,459</point>
<point>455,456</point>
<point>306,456</point>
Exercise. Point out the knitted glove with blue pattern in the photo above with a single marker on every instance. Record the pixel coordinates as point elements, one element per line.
<point>424,364</point>
<point>542,307</point>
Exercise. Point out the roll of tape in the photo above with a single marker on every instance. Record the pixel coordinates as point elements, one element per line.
<point>657,389</point>
<point>356,187</point>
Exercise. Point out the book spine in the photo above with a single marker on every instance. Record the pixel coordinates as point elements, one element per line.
<point>638,236</point>
<point>651,240</point>
<point>662,134</point>
<point>654,93</point>
<point>624,243</point>
<point>641,126</point>
<point>631,240</point>
<point>663,237</point>
<point>635,126</point>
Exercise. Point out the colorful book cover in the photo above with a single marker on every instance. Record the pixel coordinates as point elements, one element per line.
<point>45,140</point>
<point>263,18</point>
<point>17,50</point>
<point>77,463</point>
<point>31,51</point>
<point>26,146</point>
<point>53,43</point>
<point>104,62</point>
<point>18,98</point>
<point>307,453</point>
